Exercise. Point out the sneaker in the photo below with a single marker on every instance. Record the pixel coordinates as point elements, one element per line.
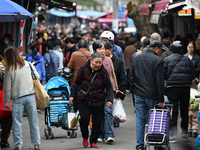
<point>85,142</point>
<point>189,134</point>
<point>94,145</point>
<point>36,147</point>
<point>184,137</point>
<point>109,140</point>
<point>173,139</point>
<point>100,140</point>
<point>18,148</point>
<point>5,145</point>
<point>194,134</point>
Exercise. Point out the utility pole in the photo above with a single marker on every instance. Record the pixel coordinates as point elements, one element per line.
<point>115,15</point>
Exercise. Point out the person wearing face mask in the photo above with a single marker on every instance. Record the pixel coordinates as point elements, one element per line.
<point>5,42</point>
<point>38,60</point>
<point>94,77</point>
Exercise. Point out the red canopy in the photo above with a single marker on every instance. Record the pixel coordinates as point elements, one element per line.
<point>161,6</point>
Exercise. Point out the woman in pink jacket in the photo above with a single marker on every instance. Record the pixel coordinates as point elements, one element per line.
<point>107,129</point>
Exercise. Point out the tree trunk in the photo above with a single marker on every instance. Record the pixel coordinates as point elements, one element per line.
<point>142,22</point>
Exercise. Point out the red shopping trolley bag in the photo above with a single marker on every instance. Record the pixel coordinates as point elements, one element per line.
<point>3,110</point>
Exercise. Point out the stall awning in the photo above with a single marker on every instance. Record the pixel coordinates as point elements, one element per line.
<point>109,20</point>
<point>61,4</point>
<point>161,6</point>
<point>176,4</point>
<point>144,9</point>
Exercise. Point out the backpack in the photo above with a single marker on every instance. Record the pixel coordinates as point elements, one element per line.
<point>50,68</point>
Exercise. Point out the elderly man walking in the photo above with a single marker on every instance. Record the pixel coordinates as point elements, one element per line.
<point>146,80</point>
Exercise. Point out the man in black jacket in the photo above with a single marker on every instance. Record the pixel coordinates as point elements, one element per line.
<point>119,71</point>
<point>179,73</point>
<point>147,82</point>
<point>118,67</point>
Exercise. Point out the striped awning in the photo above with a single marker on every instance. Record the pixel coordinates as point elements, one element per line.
<point>161,6</point>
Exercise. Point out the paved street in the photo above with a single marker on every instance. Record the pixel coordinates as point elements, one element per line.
<point>125,138</point>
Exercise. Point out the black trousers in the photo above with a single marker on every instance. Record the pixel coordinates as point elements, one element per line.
<point>176,96</point>
<point>6,125</point>
<point>97,118</point>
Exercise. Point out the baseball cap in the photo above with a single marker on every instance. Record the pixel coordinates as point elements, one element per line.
<point>158,44</point>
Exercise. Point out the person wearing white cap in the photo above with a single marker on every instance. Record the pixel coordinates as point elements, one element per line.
<point>116,50</point>
<point>142,39</point>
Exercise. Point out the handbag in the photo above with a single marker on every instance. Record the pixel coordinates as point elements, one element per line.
<point>41,96</point>
<point>82,94</point>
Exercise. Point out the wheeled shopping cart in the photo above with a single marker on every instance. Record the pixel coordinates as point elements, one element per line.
<point>158,128</point>
<point>59,91</point>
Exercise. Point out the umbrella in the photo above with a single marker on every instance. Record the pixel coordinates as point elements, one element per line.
<point>11,11</point>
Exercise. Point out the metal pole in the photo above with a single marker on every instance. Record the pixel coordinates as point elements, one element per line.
<point>115,15</point>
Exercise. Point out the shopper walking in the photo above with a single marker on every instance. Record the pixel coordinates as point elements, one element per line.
<point>38,59</point>
<point>78,59</point>
<point>179,73</point>
<point>94,101</point>
<point>119,71</point>
<point>147,82</point>
<point>5,117</point>
<point>51,61</point>
<point>107,128</point>
<point>18,86</point>
<point>116,50</point>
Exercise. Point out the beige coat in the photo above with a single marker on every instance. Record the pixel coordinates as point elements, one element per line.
<point>128,52</point>
<point>76,61</point>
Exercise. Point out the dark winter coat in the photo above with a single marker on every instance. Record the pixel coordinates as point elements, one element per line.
<point>146,76</point>
<point>48,63</point>
<point>178,70</point>
<point>99,90</point>
<point>196,62</point>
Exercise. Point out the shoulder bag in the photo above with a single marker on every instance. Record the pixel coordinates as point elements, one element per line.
<point>82,94</point>
<point>41,96</point>
<point>83,54</point>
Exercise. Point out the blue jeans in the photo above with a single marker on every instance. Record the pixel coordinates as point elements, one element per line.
<point>18,105</point>
<point>107,127</point>
<point>142,107</point>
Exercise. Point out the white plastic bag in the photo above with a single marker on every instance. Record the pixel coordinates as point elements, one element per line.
<point>118,111</point>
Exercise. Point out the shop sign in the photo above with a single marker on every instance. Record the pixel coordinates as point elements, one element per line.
<point>185,12</point>
<point>196,14</point>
